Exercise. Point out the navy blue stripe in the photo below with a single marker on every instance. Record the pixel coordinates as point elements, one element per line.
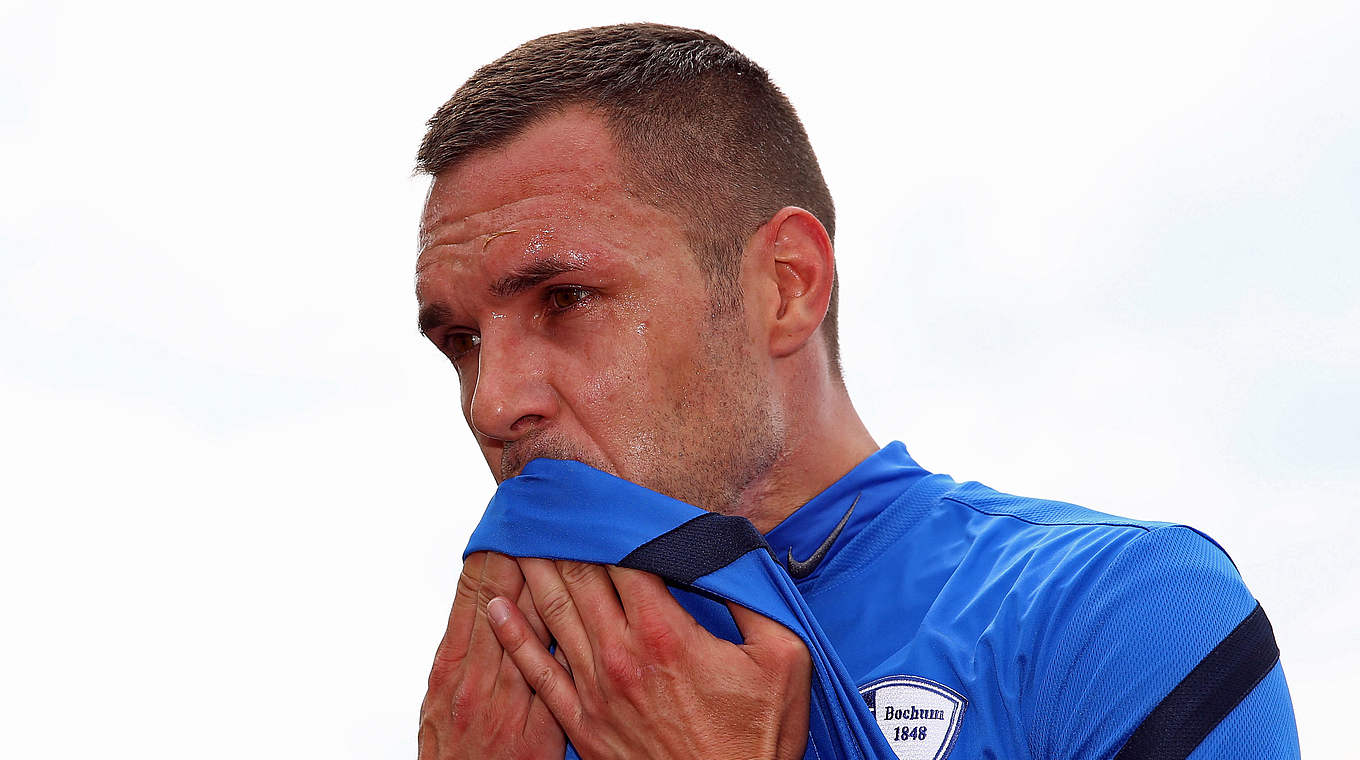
<point>1205,697</point>
<point>696,548</point>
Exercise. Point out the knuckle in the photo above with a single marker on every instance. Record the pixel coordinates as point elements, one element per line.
<point>427,739</point>
<point>576,573</point>
<point>512,637</point>
<point>620,667</point>
<point>445,668</point>
<point>660,642</point>
<point>468,586</point>
<point>555,604</point>
<point>463,706</point>
<point>491,586</point>
<point>441,672</point>
<point>485,593</point>
<point>789,650</point>
<point>541,679</point>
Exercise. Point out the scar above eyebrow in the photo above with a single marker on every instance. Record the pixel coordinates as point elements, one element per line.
<point>495,235</point>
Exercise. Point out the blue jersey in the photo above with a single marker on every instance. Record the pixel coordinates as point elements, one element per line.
<point>973,624</point>
<point>566,510</point>
<point>984,625</point>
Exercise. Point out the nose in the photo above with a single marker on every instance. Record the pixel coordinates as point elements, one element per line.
<point>512,394</point>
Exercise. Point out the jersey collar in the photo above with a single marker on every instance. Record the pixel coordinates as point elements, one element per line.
<point>870,487</point>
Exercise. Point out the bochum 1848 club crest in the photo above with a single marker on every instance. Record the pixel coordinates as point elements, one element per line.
<point>921,718</point>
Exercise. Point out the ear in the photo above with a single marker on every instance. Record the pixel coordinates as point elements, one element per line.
<point>795,252</point>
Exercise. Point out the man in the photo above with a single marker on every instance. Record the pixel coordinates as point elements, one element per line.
<point>626,254</point>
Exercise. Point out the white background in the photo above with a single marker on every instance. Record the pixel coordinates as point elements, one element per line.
<point>1106,256</point>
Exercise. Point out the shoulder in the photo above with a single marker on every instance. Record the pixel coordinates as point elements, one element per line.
<point>1039,512</point>
<point>1074,555</point>
<point>1085,620</point>
<point>1119,579</point>
<point>1124,613</point>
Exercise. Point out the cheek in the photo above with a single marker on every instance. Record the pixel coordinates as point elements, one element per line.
<point>614,372</point>
<point>610,376</point>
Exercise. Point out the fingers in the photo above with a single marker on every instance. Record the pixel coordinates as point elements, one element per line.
<point>526,606</point>
<point>453,646</point>
<point>559,612</point>
<point>593,594</point>
<point>539,721</point>
<point>767,641</point>
<point>509,693</point>
<point>752,624</point>
<point>646,598</point>
<point>551,683</point>
<point>510,687</point>
<point>478,703</point>
<point>500,577</point>
<point>756,629</point>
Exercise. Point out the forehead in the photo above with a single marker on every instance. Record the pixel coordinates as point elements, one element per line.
<point>553,198</point>
<point>561,177</point>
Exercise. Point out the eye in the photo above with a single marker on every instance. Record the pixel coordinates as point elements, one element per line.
<point>566,297</point>
<point>456,344</point>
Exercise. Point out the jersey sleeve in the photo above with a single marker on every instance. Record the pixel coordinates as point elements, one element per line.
<point>1166,647</point>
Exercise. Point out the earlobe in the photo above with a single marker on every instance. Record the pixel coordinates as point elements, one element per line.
<point>804,269</point>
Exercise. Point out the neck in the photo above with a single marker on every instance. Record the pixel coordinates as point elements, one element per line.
<point>823,440</point>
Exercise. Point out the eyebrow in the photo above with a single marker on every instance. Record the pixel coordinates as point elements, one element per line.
<point>437,314</point>
<point>432,316</point>
<point>530,275</point>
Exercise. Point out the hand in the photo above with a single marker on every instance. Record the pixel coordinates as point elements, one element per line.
<point>644,679</point>
<point>478,705</point>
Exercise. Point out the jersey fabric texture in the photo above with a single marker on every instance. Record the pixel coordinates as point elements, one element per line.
<point>975,624</point>
<point>567,510</point>
<point>1062,628</point>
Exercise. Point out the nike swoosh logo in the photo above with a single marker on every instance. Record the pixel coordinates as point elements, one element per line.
<point>803,569</point>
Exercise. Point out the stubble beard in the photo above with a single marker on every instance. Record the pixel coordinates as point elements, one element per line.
<point>724,432</point>
<point>710,446</point>
<point>542,444</point>
<point>707,448</point>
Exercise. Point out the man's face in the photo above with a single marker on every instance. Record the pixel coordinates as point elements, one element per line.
<point>580,324</point>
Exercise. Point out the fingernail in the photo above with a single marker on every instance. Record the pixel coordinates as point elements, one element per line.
<point>499,610</point>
